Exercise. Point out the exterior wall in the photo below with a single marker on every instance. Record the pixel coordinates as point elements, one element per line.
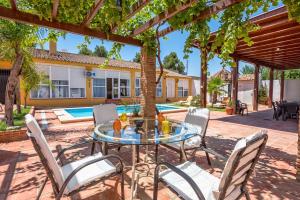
<point>89,100</point>
<point>245,91</point>
<point>291,90</point>
<point>196,87</point>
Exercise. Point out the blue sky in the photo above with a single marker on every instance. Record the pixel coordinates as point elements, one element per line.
<point>175,42</point>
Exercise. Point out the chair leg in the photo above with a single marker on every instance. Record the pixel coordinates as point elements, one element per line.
<point>42,188</point>
<point>137,153</point>
<point>180,156</point>
<point>122,186</point>
<point>156,180</point>
<point>156,152</point>
<point>93,148</point>
<point>247,195</point>
<point>207,155</point>
<point>119,148</point>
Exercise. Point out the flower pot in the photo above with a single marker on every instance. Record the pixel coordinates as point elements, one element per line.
<point>229,110</point>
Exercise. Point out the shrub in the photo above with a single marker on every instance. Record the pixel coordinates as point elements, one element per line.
<point>196,101</point>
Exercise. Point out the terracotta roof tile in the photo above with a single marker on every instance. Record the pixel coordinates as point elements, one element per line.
<point>70,57</point>
<point>84,59</point>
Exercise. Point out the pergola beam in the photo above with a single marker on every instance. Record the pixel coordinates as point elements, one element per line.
<point>55,4</point>
<point>93,11</point>
<point>284,47</point>
<point>255,61</point>
<point>213,9</point>
<point>34,19</point>
<point>275,44</point>
<point>281,39</point>
<point>163,16</point>
<point>273,51</point>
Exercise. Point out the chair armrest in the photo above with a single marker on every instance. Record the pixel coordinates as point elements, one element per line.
<point>63,187</point>
<point>190,181</point>
<point>210,151</point>
<point>175,121</point>
<point>244,105</point>
<point>59,154</point>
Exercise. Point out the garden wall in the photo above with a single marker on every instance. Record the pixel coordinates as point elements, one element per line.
<point>15,135</point>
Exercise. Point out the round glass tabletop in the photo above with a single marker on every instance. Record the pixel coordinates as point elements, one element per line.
<point>144,132</point>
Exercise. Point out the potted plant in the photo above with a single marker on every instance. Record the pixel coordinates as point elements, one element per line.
<point>229,108</point>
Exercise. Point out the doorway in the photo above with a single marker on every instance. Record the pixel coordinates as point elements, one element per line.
<point>3,80</point>
<point>112,88</point>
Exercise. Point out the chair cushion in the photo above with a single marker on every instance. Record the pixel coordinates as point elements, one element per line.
<point>87,174</point>
<point>206,182</point>
<point>36,132</point>
<point>104,113</point>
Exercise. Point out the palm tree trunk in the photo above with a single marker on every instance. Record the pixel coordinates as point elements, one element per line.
<point>18,97</point>
<point>25,99</point>
<point>11,86</point>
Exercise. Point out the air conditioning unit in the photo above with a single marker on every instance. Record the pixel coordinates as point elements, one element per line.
<point>90,74</point>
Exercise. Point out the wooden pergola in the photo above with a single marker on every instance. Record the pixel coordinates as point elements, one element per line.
<point>276,46</point>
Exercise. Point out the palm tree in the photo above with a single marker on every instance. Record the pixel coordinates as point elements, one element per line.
<point>30,80</point>
<point>214,88</point>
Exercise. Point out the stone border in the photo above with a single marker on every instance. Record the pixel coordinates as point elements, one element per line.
<point>64,117</point>
<point>15,135</point>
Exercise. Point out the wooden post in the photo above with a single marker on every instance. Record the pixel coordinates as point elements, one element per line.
<point>298,156</point>
<point>148,82</point>
<point>282,86</point>
<point>271,87</point>
<point>203,84</point>
<point>235,85</point>
<point>255,91</point>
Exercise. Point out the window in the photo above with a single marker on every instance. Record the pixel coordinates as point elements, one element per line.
<point>66,82</point>
<point>77,82</point>
<point>183,88</point>
<point>99,87</point>
<point>137,87</point>
<point>124,88</point>
<point>77,92</point>
<point>158,89</point>
<point>60,88</point>
<point>43,91</point>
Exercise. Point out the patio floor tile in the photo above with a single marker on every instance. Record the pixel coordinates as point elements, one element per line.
<point>21,171</point>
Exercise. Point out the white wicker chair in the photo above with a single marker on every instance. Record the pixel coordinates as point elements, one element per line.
<point>199,119</point>
<point>191,182</point>
<point>74,176</point>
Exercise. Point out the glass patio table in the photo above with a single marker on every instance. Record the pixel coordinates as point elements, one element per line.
<point>143,131</point>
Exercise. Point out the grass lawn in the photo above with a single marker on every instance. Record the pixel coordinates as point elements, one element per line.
<point>216,109</point>
<point>18,119</point>
<point>209,107</point>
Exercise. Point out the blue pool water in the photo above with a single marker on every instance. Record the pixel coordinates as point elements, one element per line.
<point>88,112</point>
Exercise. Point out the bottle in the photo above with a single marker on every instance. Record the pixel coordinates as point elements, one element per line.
<point>165,127</point>
<point>117,126</point>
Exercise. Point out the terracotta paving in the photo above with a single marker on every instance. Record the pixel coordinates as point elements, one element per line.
<point>21,172</point>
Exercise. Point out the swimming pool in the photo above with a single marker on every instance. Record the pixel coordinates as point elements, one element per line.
<point>88,111</point>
